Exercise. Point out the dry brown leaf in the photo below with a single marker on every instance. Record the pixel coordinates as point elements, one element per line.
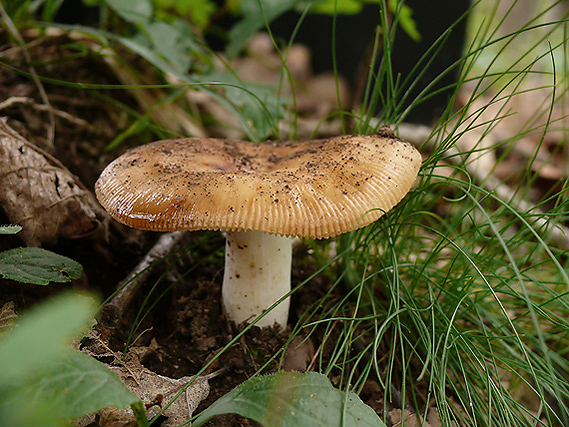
<point>155,391</point>
<point>411,419</point>
<point>298,354</point>
<point>40,194</point>
<point>7,316</point>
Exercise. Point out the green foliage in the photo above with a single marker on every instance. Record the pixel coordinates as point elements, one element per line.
<point>42,380</point>
<point>199,11</point>
<point>173,42</point>
<point>289,399</point>
<point>404,16</point>
<point>132,11</point>
<point>461,292</point>
<point>256,15</point>
<point>173,48</point>
<point>10,229</point>
<point>22,11</point>
<point>35,265</point>
<point>256,102</point>
<point>399,8</point>
<point>159,31</point>
<point>38,266</point>
<point>349,7</point>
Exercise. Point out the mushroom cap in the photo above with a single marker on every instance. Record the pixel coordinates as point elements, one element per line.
<point>313,189</point>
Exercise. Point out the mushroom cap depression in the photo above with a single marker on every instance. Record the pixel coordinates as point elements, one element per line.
<point>313,189</point>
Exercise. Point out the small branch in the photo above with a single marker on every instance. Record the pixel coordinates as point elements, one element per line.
<point>29,101</point>
<point>112,312</point>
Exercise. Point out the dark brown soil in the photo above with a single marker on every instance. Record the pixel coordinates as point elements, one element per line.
<point>190,330</point>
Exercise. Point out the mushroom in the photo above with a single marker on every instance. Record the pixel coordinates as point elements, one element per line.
<point>262,195</point>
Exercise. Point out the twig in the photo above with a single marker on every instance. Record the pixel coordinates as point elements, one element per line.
<point>247,351</point>
<point>15,33</point>
<point>64,115</point>
<point>320,347</point>
<point>112,312</point>
<point>419,134</point>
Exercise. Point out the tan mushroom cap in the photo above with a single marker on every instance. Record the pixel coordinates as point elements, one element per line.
<point>312,189</point>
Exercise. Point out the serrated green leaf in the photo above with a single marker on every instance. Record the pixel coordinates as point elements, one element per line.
<point>292,399</point>
<point>38,266</point>
<point>10,229</point>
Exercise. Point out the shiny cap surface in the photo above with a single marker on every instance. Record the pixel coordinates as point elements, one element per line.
<point>312,189</point>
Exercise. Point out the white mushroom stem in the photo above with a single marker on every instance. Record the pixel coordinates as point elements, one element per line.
<point>257,274</point>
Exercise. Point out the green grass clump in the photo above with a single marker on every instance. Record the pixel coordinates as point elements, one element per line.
<point>458,299</point>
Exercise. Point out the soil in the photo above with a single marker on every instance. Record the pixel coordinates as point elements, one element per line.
<point>185,326</point>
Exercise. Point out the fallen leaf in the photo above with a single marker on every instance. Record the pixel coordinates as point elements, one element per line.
<point>7,316</point>
<point>411,419</point>
<point>156,391</point>
<point>298,354</point>
<point>40,194</point>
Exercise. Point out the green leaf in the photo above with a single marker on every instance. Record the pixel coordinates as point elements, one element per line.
<point>405,19</point>
<point>348,7</point>
<point>38,266</point>
<point>254,19</point>
<point>292,399</point>
<point>42,380</point>
<point>199,11</point>
<point>134,11</point>
<point>40,334</point>
<point>76,384</point>
<point>257,103</point>
<point>50,8</point>
<point>71,386</point>
<point>140,48</point>
<point>10,229</point>
<point>174,42</point>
